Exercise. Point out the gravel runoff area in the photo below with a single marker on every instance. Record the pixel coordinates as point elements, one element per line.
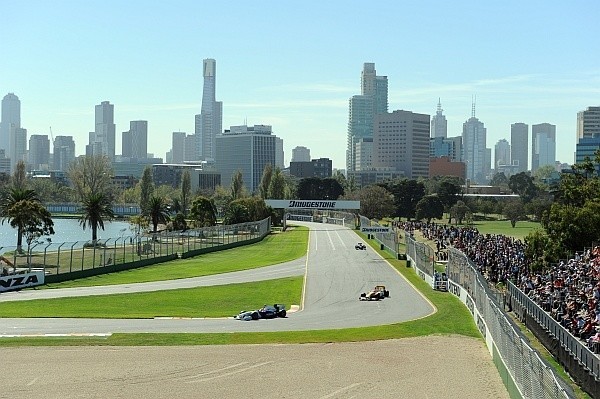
<point>424,367</point>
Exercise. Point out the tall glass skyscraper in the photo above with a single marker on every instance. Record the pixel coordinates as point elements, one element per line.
<point>11,120</point>
<point>519,145</point>
<point>102,139</point>
<point>210,120</point>
<point>475,152</point>
<point>372,101</point>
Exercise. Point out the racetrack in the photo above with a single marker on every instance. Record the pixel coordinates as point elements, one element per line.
<point>336,274</point>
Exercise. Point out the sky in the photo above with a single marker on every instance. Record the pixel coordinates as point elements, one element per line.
<point>294,65</point>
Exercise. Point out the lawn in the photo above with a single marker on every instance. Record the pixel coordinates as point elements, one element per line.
<point>275,248</point>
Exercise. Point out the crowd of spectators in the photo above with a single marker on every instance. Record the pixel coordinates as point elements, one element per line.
<point>569,291</point>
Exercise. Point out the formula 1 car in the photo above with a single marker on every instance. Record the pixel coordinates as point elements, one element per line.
<point>266,312</point>
<point>377,293</point>
<point>360,246</point>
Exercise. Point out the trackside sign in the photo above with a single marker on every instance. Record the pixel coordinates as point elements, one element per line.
<point>312,204</point>
<point>374,229</point>
<point>18,281</point>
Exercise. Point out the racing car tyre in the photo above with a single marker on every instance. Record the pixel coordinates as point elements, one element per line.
<point>255,316</point>
<point>386,293</point>
<point>282,313</point>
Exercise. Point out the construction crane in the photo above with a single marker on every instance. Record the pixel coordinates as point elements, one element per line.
<point>51,135</point>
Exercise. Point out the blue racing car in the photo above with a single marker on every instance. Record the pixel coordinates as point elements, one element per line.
<point>266,312</point>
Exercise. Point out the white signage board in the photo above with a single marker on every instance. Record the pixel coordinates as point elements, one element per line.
<point>18,281</point>
<point>312,204</point>
<point>374,229</point>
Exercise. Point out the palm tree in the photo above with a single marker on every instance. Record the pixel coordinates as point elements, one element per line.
<point>97,208</point>
<point>11,210</point>
<point>158,211</point>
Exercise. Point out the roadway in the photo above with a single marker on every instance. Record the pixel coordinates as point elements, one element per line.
<point>335,275</point>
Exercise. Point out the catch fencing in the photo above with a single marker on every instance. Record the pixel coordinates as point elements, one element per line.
<point>62,261</point>
<point>388,240</point>
<point>527,376</point>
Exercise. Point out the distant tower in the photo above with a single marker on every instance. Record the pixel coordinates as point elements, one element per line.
<point>39,152</point>
<point>102,141</point>
<point>64,152</point>
<point>543,145</point>
<point>439,124</point>
<point>135,141</point>
<point>588,123</point>
<point>11,119</point>
<point>475,152</point>
<point>501,153</point>
<point>300,154</point>
<point>519,148</point>
<point>210,120</point>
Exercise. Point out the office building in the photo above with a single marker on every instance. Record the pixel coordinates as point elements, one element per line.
<point>475,152</point>
<point>247,149</point>
<point>501,153</point>
<point>321,168</point>
<point>279,154</point>
<point>439,124</point>
<point>135,141</point>
<point>372,101</point>
<point>178,147</point>
<point>63,153</point>
<point>444,166</point>
<point>519,146</point>
<point>363,150</point>
<point>300,154</point>
<point>210,120</point>
<point>543,145</point>
<point>588,122</point>
<point>39,152</point>
<point>401,143</point>
<point>10,119</point>
<point>586,149</point>
<point>445,147</point>
<point>102,140</point>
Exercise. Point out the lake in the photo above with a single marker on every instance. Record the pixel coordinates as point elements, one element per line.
<point>68,230</point>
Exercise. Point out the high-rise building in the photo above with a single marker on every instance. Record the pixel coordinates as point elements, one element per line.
<point>588,122</point>
<point>247,149</point>
<point>135,141</point>
<point>519,146</point>
<point>439,124</point>
<point>543,145</point>
<point>475,152</point>
<point>102,140</point>
<point>586,149</point>
<point>449,147</point>
<point>401,143</point>
<point>501,153</point>
<point>363,150</point>
<point>210,120</point>
<point>279,154</point>
<point>372,101</point>
<point>39,152</point>
<point>300,154</point>
<point>10,120</point>
<point>64,152</point>
<point>178,147</point>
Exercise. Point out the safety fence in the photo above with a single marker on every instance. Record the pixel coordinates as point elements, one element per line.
<point>103,256</point>
<point>524,372</point>
<point>341,218</point>
<point>388,240</point>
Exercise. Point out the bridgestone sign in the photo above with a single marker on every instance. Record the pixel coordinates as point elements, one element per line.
<point>18,281</point>
<point>370,229</point>
<point>312,204</point>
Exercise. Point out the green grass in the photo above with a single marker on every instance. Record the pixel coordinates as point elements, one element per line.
<point>274,248</point>
<point>217,301</point>
<point>503,227</point>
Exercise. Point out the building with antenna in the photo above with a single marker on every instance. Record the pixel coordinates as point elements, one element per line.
<point>476,155</point>
<point>439,124</point>
<point>210,120</point>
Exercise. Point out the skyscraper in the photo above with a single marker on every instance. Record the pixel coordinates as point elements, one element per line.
<point>64,152</point>
<point>178,147</point>
<point>501,153</point>
<point>588,122</point>
<point>102,141</point>
<point>39,152</point>
<point>439,124</point>
<point>372,101</point>
<point>475,152</point>
<point>401,143</point>
<point>300,154</point>
<point>519,148</point>
<point>11,119</point>
<point>543,145</point>
<point>210,120</point>
<point>135,141</point>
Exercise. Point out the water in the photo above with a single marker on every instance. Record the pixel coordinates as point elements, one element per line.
<point>67,230</point>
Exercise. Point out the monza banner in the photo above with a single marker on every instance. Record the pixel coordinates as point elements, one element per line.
<point>21,280</point>
<point>312,204</point>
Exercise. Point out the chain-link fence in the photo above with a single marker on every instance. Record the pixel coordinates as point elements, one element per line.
<point>69,257</point>
<point>532,376</point>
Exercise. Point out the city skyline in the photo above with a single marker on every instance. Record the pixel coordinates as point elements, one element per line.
<point>296,79</point>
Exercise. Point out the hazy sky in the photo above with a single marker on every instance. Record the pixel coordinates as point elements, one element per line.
<point>294,65</point>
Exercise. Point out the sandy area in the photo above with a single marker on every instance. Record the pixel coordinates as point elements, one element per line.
<point>424,367</point>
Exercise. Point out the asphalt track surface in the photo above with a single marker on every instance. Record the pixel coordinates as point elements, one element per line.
<point>335,275</point>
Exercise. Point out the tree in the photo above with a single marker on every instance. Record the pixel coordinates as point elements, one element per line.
<point>265,181</point>
<point>203,212</point>
<point>19,209</point>
<point>319,189</point>
<point>375,202</point>
<point>221,198</point>
<point>237,185</point>
<point>449,191</point>
<point>407,193</point>
<point>138,223</point>
<point>186,191</point>
<point>38,223</point>
<point>19,177</point>
<point>91,174</point>
<point>277,185</point>
<point>146,189</point>
<point>499,180</point>
<point>237,212</point>
<point>96,209</point>
<point>179,222</point>
<point>514,211</point>
<point>522,184</point>
<point>157,211</point>
<point>429,207</point>
<point>459,212</point>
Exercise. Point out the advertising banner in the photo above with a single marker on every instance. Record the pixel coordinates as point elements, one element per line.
<point>374,229</point>
<point>312,204</point>
<point>17,281</point>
